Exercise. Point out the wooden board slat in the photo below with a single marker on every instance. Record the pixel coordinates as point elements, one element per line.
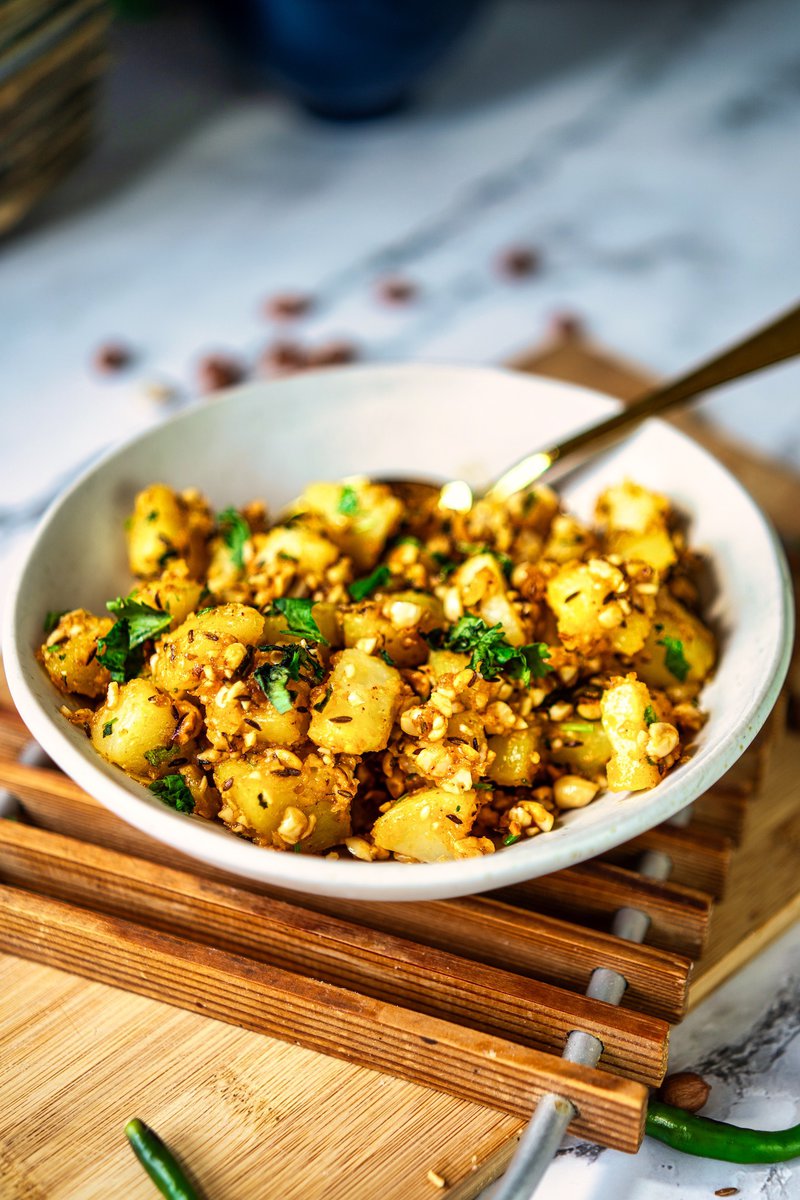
<point>468,1064</point>
<point>374,964</point>
<point>488,931</point>
<point>679,916</point>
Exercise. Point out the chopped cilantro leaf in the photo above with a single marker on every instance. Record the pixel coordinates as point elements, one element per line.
<point>143,621</point>
<point>201,611</point>
<point>650,715</point>
<point>294,663</point>
<point>296,848</point>
<point>153,516</point>
<point>160,755</point>
<point>321,704</point>
<point>115,653</point>
<point>492,654</point>
<point>360,588</point>
<point>299,618</point>
<point>348,501</point>
<point>235,534</point>
<point>483,785</point>
<point>109,725</point>
<point>387,658</point>
<point>512,837</point>
<point>52,619</point>
<point>172,789</point>
<point>674,659</point>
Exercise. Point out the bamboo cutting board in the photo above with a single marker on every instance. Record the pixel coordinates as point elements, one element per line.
<point>260,1118</point>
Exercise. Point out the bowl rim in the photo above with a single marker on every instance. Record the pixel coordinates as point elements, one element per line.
<point>211,843</point>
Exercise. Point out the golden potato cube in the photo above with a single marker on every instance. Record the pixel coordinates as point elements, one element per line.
<point>428,825</point>
<point>673,624</point>
<point>623,715</point>
<point>482,586</point>
<point>165,525</point>
<point>631,507</point>
<point>653,547</point>
<point>312,552</point>
<point>568,539</point>
<point>174,592</point>
<point>136,720</point>
<point>584,745</point>
<point>201,642</point>
<point>70,653</point>
<point>257,792</point>
<point>517,758</point>
<point>405,645</point>
<point>364,700</point>
<point>358,515</point>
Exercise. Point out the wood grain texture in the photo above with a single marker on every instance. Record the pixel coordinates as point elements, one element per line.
<point>347,955</point>
<point>531,944</point>
<point>679,916</point>
<point>266,999</point>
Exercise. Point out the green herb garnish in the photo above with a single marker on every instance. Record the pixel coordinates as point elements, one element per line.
<point>107,728</point>
<point>172,789</point>
<point>360,588</point>
<point>235,533</point>
<point>483,785</point>
<point>348,501</point>
<point>445,564</point>
<point>52,619</point>
<point>674,659</point>
<point>160,755</point>
<point>512,837</point>
<point>299,618</point>
<point>650,715</point>
<point>120,650</point>
<point>492,654</point>
<point>575,727</point>
<point>295,662</point>
<point>321,704</point>
<point>387,658</point>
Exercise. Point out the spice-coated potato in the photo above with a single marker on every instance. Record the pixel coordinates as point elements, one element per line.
<point>166,524</point>
<point>364,699</point>
<point>204,643</point>
<point>70,653</point>
<point>136,720</point>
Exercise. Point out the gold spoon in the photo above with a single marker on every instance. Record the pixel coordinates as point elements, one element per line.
<point>772,344</point>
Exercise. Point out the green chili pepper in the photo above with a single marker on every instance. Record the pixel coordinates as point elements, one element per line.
<point>159,1162</point>
<point>714,1139</point>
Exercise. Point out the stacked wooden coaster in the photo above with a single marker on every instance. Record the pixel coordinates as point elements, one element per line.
<point>52,57</point>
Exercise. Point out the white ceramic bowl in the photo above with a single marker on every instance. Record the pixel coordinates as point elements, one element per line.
<point>268,440</point>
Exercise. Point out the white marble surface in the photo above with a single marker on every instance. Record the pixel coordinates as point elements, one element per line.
<point>650,152</point>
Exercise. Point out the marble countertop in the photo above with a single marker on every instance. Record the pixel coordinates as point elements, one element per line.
<point>648,153</point>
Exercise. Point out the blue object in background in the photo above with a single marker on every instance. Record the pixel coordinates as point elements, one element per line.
<point>343,58</point>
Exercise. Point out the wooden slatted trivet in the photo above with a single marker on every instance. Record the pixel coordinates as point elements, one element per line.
<point>450,1016</point>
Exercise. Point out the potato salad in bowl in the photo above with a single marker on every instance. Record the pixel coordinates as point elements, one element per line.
<point>367,676</point>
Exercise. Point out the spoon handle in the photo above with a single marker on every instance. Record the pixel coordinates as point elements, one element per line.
<point>774,343</point>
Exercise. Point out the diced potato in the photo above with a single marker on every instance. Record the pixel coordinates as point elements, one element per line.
<point>517,758</point>
<point>623,714</point>
<point>631,507</point>
<point>326,616</point>
<point>364,700</point>
<point>165,525</point>
<point>312,552</point>
<point>70,653</point>
<point>374,619</point>
<point>482,586</point>
<point>135,721</point>
<point>585,600</point>
<point>372,514</point>
<point>257,792</point>
<point>261,720</point>
<point>697,646</point>
<point>431,825</point>
<point>446,662</point>
<point>585,746</point>
<point>202,641</point>
<point>568,539</point>
<point>653,547</point>
<point>174,592</point>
